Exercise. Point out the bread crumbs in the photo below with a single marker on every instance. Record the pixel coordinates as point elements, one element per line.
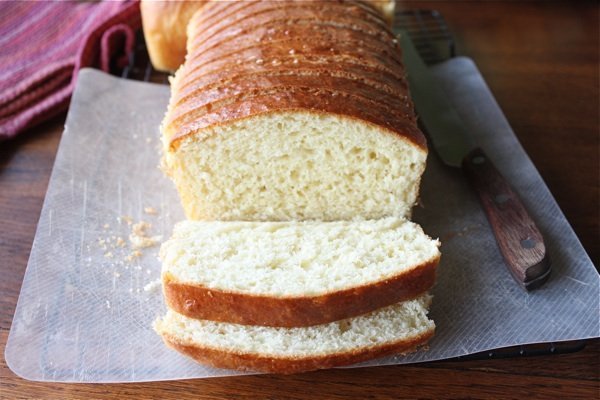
<point>150,210</point>
<point>152,286</point>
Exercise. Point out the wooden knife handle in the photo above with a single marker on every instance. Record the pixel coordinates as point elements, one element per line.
<point>519,239</point>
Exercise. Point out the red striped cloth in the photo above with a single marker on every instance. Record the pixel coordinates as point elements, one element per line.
<point>44,44</point>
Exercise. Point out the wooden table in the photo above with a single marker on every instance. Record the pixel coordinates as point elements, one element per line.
<point>541,61</point>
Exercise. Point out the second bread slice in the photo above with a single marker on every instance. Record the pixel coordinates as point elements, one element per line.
<point>294,273</point>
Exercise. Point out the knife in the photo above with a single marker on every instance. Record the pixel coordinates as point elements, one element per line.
<point>518,238</point>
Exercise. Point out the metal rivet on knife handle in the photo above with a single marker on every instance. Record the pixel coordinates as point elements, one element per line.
<point>528,243</point>
<point>501,199</point>
<point>519,239</point>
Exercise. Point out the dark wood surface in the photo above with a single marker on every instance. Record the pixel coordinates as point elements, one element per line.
<point>541,61</point>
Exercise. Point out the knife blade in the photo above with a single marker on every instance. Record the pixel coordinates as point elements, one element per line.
<point>519,240</point>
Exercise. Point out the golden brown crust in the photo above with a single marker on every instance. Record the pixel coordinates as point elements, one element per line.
<point>265,19</point>
<point>273,32</point>
<point>270,38</point>
<point>379,80</point>
<point>199,302</point>
<point>165,24</point>
<point>239,54</point>
<point>225,12</point>
<point>203,98</point>
<point>224,358</point>
<point>317,102</point>
<point>242,90</point>
<point>289,53</point>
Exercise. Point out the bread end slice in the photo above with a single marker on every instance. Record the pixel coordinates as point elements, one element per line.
<point>397,329</point>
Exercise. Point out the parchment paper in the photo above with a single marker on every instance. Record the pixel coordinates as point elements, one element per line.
<point>83,314</point>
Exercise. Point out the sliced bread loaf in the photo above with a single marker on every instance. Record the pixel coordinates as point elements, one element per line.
<point>399,328</point>
<point>267,124</point>
<point>165,23</point>
<point>294,273</point>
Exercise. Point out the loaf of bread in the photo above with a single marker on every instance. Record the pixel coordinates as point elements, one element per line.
<point>294,273</point>
<point>293,144</point>
<point>396,329</point>
<point>292,110</point>
<point>165,23</point>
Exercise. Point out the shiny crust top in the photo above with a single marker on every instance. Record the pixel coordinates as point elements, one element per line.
<point>250,58</point>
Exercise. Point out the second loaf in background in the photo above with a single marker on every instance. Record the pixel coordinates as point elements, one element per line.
<point>292,110</point>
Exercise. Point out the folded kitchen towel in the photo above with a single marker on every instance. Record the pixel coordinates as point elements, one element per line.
<point>44,44</point>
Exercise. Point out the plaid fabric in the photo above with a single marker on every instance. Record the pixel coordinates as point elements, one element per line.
<point>44,44</point>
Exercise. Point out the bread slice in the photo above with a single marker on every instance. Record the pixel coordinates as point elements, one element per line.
<point>294,273</point>
<point>265,125</point>
<point>399,328</point>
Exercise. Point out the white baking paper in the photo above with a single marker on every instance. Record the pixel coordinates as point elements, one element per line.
<point>85,312</point>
